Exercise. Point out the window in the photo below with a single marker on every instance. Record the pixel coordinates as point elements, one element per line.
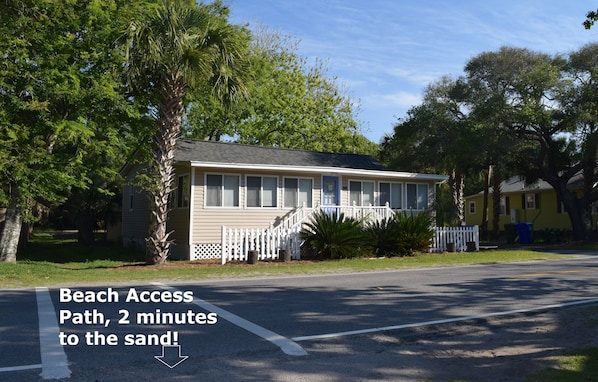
<point>183,191</point>
<point>222,190</point>
<point>297,192</point>
<point>261,191</point>
<point>391,193</point>
<point>361,193</point>
<point>504,206</point>
<point>130,191</point>
<point>530,201</point>
<point>417,197</point>
<point>472,208</point>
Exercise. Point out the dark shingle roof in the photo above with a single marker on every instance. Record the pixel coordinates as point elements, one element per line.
<point>189,150</point>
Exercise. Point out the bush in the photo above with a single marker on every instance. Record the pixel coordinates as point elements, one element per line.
<point>383,237</point>
<point>415,232</point>
<point>334,236</point>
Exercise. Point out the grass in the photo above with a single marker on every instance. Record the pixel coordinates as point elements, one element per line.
<point>47,261</point>
<point>579,365</point>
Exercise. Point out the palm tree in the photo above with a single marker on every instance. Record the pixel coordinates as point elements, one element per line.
<point>177,47</point>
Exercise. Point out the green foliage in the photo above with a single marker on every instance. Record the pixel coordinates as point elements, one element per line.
<point>383,237</point>
<point>59,99</point>
<point>291,104</point>
<point>415,232</point>
<point>334,236</point>
<point>404,234</point>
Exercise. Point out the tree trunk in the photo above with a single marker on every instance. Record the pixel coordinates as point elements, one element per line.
<point>456,182</point>
<point>484,225</point>
<point>9,242</point>
<point>85,223</point>
<point>575,210</point>
<point>164,144</point>
<point>496,193</point>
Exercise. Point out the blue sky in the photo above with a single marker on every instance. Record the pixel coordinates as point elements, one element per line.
<point>385,52</point>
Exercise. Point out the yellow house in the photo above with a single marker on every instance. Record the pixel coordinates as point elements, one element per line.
<point>537,204</point>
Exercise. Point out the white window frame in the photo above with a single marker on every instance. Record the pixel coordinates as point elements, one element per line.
<point>530,202</point>
<point>310,200</point>
<point>472,208</point>
<point>502,207</point>
<point>392,196</point>
<point>261,191</point>
<point>417,194</point>
<point>361,183</point>
<point>222,190</point>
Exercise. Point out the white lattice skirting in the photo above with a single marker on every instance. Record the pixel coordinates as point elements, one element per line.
<point>206,251</point>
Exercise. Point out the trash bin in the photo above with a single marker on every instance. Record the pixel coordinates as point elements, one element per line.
<point>525,232</point>
<point>511,233</point>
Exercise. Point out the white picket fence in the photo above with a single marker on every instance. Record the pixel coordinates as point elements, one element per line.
<point>459,237</point>
<point>236,242</point>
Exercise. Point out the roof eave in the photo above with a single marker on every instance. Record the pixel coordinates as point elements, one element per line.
<point>326,170</point>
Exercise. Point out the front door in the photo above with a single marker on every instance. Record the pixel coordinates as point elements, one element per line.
<point>330,194</point>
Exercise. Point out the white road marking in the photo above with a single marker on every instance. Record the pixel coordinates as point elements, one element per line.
<point>54,361</point>
<point>286,345</point>
<point>445,321</point>
<point>19,368</point>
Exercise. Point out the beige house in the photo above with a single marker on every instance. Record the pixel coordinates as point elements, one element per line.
<point>240,186</point>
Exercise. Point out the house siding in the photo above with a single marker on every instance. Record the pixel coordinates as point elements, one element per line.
<point>208,221</point>
<point>546,215</point>
<point>135,213</point>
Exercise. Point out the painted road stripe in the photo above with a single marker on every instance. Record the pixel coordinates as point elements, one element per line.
<point>445,321</point>
<point>286,345</point>
<point>54,361</point>
<point>19,368</point>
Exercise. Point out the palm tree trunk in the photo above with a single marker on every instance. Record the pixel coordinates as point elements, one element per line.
<point>165,138</point>
<point>457,182</point>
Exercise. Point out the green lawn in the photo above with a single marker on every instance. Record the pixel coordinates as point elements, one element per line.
<point>576,366</point>
<point>50,262</point>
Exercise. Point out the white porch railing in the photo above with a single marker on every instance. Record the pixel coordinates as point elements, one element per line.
<point>368,213</point>
<point>445,237</point>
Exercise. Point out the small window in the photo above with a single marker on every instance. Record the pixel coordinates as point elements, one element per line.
<point>183,192</point>
<point>130,197</point>
<point>298,192</point>
<point>530,201</point>
<point>504,206</point>
<point>222,190</point>
<point>361,193</point>
<point>417,197</point>
<point>261,191</point>
<point>472,208</point>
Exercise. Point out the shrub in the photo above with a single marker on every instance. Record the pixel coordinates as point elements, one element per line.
<point>334,236</point>
<point>414,232</point>
<point>383,237</point>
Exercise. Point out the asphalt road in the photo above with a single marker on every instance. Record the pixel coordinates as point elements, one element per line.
<point>320,328</point>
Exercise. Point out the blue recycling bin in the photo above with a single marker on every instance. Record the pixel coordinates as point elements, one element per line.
<point>524,230</point>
